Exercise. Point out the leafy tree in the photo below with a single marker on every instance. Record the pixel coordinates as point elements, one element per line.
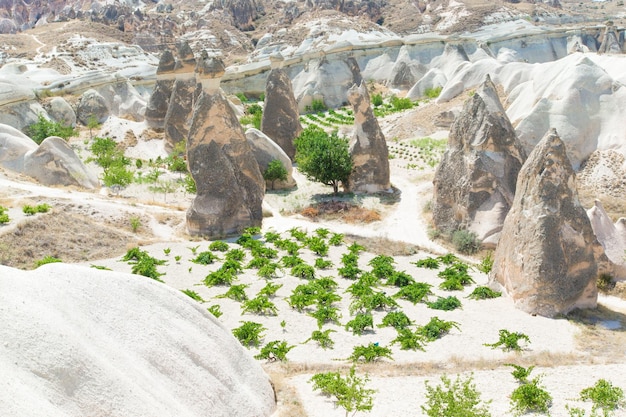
<point>44,128</point>
<point>455,399</point>
<point>275,171</point>
<point>323,158</point>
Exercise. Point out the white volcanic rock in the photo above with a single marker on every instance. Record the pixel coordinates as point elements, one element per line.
<point>78,341</point>
<point>612,239</point>
<point>13,146</point>
<point>54,162</point>
<point>265,150</point>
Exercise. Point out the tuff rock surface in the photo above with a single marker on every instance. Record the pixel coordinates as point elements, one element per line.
<point>156,108</point>
<point>265,150</point>
<point>281,117</point>
<point>13,146</point>
<point>548,259</point>
<point>179,112</point>
<point>368,147</point>
<point>611,236</point>
<point>54,162</point>
<point>60,111</point>
<point>474,184</point>
<point>78,341</point>
<point>92,103</point>
<point>230,187</point>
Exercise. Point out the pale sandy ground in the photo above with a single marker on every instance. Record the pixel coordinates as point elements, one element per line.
<point>567,361</point>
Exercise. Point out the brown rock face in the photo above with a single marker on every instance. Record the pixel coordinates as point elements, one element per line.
<point>281,118</point>
<point>474,184</point>
<point>368,148</point>
<point>230,187</point>
<point>157,106</point>
<point>179,110</point>
<point>548,258</point>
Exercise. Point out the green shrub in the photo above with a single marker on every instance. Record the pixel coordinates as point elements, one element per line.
<point>269,270</point>
<point>216,310</point>
<point>483,293</point>
<point>303,271</point>
<point>321,263</point>
<point>466,241</point>
<point>436,328</point>
<point>235,255</point>
<point>290,261</point>
<point>117,175</point>
<point>193,295</point>
<point>336,239</point>
<point>400,104</point>
<point>44,128</point>
<point>274,350</point>
<point>360,323</point>
<point>396,319</point>
<point>409,340</point>
<point>487,263</point>
<point>317,245</point>
<point>349,392</point>
<point>269,290</point>
<point>236,292</point>
<point>28,210</point>
<point>445,304</point>
<point>428,263</point>
<point>509,340</point>
<point>322,338</point>
<point>219,277</point>
<point>374,301</point>
<point>448,259</point>
<point>605,398</point>
<point>415,292</point>
<point>249,333</point>
<point>317,105</point>
<point>455,399</point>
<point>205,258</point>
<point>520,373</point>
<point>220,246</point>
<point>275,171</point>
<point>326,314</point>
<point>530,398</point>
<point>4,216</point>
<point>370,353</point>
<point>377,100</point>
<point>46,260</point>
<point>605,283</point>
<point>143,263</point>
<point>382,266</point>
<point>261,304</point>
<point>433,92</point>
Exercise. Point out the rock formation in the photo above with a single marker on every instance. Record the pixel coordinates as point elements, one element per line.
<point>474,184</point>
<point>368,148</point>
<point>229,184</point>
<point>55,163</point>
<point>160,97</point>
<point>13,146</point>
<point>78,341</point>
<point>179,111</point>
<point>60,111</point>
<point>548,259</point>
<point>265,150</point>
<point>611,236</point>
<point>610,40</point>
<point>281,118</point>
<point>92,104</point>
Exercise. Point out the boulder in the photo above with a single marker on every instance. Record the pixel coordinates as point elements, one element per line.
<point>92,103</point>
<point>265,150</point>
<point>179,111</point>
<point>157,106</point>
<point>548,259</point>
<point>60,111</point>
<point>612,238</point>
<point>610,40</point>
<point>230,187</point>
<point>281,117</point>
<point>55,163</point>
<point>13,146</point>
<point>123,100</point>
<point>368,147</point>
<point>474,184</point>
<point>77,341</point>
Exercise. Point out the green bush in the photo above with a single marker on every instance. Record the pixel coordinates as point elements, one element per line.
<point>216,310</point>
<point>274,350</point>
<point>433,92</point>
<point>377,100</point>
<point>261,304</point>
<point>269,290</point>
<point>303,271</point>
<point>349,392</point>
<point>370,353</point>
<point>269,270</point>
<point>143,264</point>
<point>318,246</point>
<point>326,313</point>
<point>4,216</point>
<point>455,399</point>
<point>249,333</point>
<point>234,255</point>
<point>321,263</point>
<point>219,277</point>
<point>374,301</point>
<point>428,263</point>
<point>436,328</point>
<point>322,338</point>
<point>236,292</point>
<point>466,241</point>
<point>117,175</point>
<point>46,260</point>
<point>317,105</point>
<point>445,304</point>
<point>400,104</point>
<point>220,246</point>
<point>530,398</point>
<point>336,239</point>
<point>205,258</point>
<point>409,340</point>
<point>605,398</point>
<point>483,293</point>
<point>520,373</point>
<point>396,319</point>
<point>509,340</point>
<point>487,263</point>
<point>44,128</point>
<point>415,292</point>
<point>360,323</point>
<point>194,295</point>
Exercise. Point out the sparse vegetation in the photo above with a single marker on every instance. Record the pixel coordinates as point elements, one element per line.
<point>370,353</point>
<point>249,333</point>
<point>44,128</point>
<point>274,350</point>
<point>605,397</point>
<point>509,340</point>
<point>458,398</point>
<point>349,393</point>
<point>322,338</point>
<point>46,260</point>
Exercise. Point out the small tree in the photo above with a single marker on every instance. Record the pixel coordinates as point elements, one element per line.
<point>322,157</point>
<point>455,398</point>
<point>275,171</point>
<point>350,393</point>
<point>44,128</point>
